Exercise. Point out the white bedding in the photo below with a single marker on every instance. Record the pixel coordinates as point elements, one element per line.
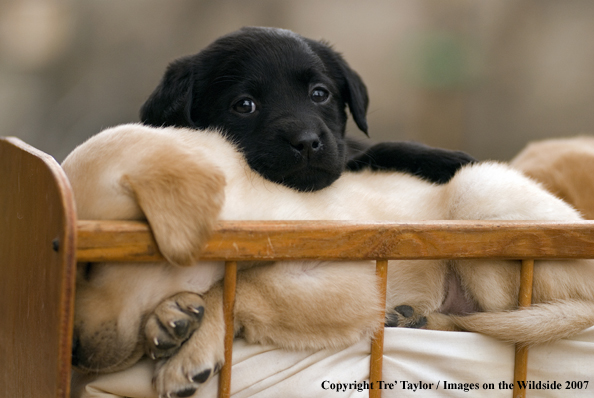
<point>411,357</point>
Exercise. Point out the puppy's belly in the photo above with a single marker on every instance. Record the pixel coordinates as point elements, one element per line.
<point>456,300</point>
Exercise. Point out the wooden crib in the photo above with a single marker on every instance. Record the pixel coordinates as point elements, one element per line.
<point>41,240</point>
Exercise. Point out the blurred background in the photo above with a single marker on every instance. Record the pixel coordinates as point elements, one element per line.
<point>481,76</point>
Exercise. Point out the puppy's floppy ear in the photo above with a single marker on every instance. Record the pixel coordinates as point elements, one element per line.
<point>357,98</point>
<point>171,102</point>
<point>354,91</point>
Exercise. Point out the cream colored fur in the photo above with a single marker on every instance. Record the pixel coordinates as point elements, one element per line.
<point>564,166</point>
<point>182,181</point>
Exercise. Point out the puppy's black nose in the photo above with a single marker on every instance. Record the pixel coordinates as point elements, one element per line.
<point>306,143</point>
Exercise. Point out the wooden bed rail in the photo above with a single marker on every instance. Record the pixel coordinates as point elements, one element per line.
<point>339,240</point>
<point>234,241</point>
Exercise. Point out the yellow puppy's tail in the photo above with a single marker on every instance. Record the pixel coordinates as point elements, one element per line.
<point>540,323</point>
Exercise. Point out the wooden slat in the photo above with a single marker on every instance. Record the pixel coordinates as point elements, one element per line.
<point>229,286</point>
<point>376,359</point>
<point>521,353</point>
<point>116,241</point>
<point>333,240</point>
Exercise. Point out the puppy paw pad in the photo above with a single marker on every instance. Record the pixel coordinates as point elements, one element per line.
<point>201,377</point>
<point>405,310</point>
<point>180,327</point>
<point>187,392</point>
<point>404,316</point>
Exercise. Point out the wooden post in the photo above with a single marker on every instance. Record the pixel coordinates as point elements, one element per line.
<point>524,300</point>
<point>38,273</point>
<point>377,344</point>
<point>228,304</point>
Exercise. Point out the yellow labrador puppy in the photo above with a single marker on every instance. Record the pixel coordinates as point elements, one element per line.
<point>182,181</point>
<point>564,166</point>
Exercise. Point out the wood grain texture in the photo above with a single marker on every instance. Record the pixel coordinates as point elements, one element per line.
<point>229,287</point>
<point>116,241</point>
<point>521,352</point>
<point>376,358</point>
<point>334,240</point>
<point>37,264</point>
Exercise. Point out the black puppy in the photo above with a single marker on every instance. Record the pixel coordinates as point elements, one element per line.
<point>282,99</point>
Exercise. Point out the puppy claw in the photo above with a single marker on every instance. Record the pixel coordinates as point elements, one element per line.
<point>418,324</point>
<point>196,310</point>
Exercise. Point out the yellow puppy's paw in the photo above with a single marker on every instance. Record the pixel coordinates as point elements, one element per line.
<point>181,196</point>
<point>405,316</point>
<point>172,323</point>
<point>197,361</point>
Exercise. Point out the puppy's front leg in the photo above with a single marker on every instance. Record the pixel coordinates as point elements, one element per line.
<point>200,357</point>
<point>165,176</point>
<point>181,198</point>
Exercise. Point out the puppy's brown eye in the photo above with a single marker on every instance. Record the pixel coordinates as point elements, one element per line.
<point>245,105</point>
<point>319,95</point>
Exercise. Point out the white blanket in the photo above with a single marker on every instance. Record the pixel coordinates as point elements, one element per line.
<point>417,363</point>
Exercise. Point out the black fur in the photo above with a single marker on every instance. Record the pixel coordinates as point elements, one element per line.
<point>434,164</point>
<point>282,99</point>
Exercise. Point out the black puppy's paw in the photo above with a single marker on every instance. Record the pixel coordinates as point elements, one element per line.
<point>404,316</point>
<point>172,323</point>
<point>433,164</point>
